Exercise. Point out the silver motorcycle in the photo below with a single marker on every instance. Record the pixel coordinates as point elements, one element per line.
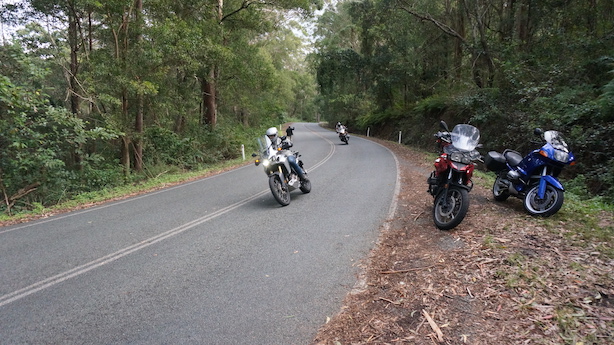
<point>343,135</point>
<point>282,177</point>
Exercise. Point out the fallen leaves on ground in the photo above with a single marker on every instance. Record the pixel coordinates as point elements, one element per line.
<point>500,277</point>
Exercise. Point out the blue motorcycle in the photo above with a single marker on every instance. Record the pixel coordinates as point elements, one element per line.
<point>534,177</point>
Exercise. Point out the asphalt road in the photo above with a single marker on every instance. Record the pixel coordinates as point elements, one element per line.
<point>214,261</point>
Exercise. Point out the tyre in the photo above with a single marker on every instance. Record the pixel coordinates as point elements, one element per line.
<point>500,190</point>
<point>448,216</point>
<point>305,186</point>
<point>280,191</point>
<point>549,205</point>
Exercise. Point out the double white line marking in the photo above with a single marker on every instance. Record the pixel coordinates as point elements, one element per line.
<point>43,284</point>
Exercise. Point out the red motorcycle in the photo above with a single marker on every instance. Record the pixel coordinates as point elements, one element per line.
<point>450,183</point>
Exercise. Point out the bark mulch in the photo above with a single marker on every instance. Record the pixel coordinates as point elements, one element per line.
<point>500,277</point>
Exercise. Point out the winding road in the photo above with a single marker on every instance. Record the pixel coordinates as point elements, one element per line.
<point>213,261</point>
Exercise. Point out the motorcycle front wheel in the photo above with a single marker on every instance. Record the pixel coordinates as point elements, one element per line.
<point>280,191</point>
<point>499,190</point>
<point>305,186</point>
<point>549,205</point>
<point>447,214</point>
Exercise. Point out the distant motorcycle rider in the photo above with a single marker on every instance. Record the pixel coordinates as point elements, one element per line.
<point>338,127</point>
<point>284,144</point>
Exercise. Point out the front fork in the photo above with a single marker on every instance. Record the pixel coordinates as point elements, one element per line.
<point>446,187</point>
<point>546,179</point>
<point>279,173</point>
<point>460,184</point>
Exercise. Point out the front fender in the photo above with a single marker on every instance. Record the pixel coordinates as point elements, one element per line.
<point>467,187</point>
<point>545,180</point>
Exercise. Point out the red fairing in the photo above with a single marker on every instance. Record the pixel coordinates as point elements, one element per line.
<point>441,164</point>
<point>470,169</point>
<point>467,169</point>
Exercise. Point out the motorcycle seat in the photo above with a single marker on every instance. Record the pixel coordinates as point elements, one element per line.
<point>513,157</point>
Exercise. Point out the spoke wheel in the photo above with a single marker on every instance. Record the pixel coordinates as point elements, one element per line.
<point>281,193</point>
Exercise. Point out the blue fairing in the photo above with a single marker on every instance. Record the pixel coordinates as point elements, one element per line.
<point>547,179</point>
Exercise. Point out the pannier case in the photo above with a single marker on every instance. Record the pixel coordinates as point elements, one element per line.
<point>494,161</point>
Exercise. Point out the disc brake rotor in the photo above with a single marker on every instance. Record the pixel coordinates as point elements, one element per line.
<point>447,211</point>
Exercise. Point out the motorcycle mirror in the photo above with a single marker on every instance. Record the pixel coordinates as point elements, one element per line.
<point>443,125</point>
<point>254,155</point>
<point>538,131</point>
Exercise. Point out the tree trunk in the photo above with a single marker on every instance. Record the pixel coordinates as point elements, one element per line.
<point>209,103</point>
<point>73,39</point>
<point>125,155</point>
<point>591,20</point>
<point>73,42</point>
<point>138,128</point>
<point>208,87</point>
<point>138,122</point>
<point>523,22</point>
<point>508,9</point>
<point>458,43</point>
<point>179,124</point>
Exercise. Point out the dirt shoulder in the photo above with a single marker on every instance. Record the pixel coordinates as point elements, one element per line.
<point>500,277</point>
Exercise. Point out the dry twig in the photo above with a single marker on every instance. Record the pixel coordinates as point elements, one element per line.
<point>433,325</point>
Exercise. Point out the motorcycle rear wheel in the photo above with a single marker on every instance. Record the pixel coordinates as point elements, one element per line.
<point>448,217</point>
<point>549,205</point>
<point>280,191</point>
<point>499,191</point>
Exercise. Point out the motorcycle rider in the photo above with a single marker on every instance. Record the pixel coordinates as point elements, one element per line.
<point>339,126</point>
<point>285,145</point>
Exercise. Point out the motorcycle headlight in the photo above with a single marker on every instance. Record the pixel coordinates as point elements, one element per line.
<point>474,155</point>
<point>266,162</point>
<point>460,157</point>
<point>561,156</point>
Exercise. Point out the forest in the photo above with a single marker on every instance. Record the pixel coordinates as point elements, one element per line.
<point>505,66</point>
<point>99,94</point>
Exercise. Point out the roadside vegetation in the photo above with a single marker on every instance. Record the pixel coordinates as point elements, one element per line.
<point>101,95</point>
<point>98,96</point>
<point>504,67</point>
<point>587,219</point>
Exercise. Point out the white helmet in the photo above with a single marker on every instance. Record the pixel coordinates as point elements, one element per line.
<point>272,133</point>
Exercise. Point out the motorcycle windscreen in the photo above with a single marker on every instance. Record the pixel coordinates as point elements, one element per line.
<point>555,139</point>
<point>465,137</point>
<point>266,147</point>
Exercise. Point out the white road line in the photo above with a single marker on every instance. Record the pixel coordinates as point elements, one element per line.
<point>43,284</point>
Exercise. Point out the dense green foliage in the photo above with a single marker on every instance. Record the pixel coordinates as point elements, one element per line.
<point>97,94</point>
<point>39,145</point>
<point>100,94</point>
<point>504,66</point>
